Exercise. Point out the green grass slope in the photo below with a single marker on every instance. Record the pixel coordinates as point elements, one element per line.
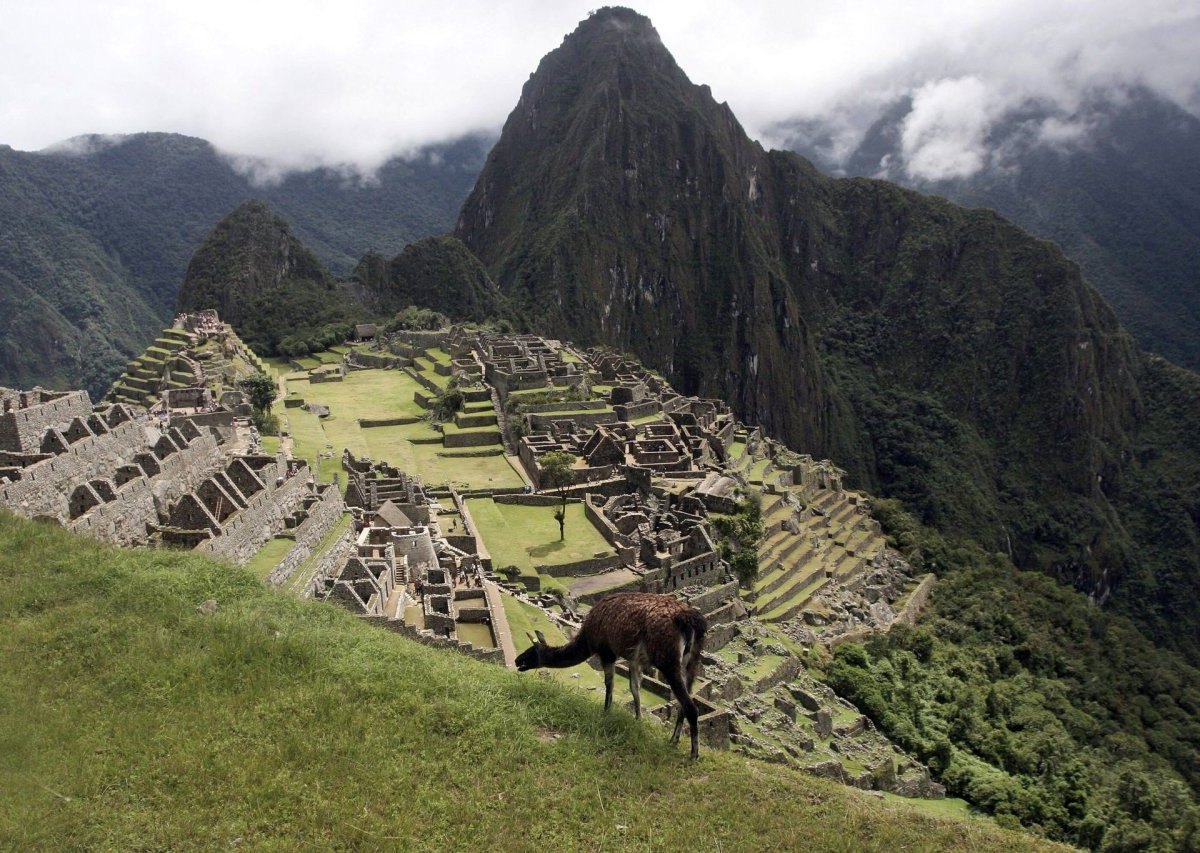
<point>129,719</point>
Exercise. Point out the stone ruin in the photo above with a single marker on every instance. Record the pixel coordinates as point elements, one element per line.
<point>121,475</point>
<point>406,575</point>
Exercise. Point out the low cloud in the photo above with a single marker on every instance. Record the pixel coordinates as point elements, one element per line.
<point>291,85</point>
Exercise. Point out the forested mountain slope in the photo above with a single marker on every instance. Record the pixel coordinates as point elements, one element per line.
<point>940,354</point>
<point>95,237</point>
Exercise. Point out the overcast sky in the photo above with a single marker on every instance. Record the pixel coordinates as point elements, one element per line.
<point>302,83</point>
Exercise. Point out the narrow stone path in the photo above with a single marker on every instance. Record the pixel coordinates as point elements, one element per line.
<point>500,624</point>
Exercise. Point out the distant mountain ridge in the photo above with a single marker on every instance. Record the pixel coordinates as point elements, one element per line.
<point>95,237</point>
<point>1122,199</point>
<point>942,355</point>
<point>263,280</point>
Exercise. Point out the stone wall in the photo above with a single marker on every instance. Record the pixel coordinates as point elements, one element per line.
<point>584,405</point>
<point>532,500</point>
<point>22,429</point>
<point>45,488</point>
<point>339,552</point>
<point>245,532</point>
<point>427,638</point>
<point>386,422</point>
<point>633,411</point>
<point>322,516</point>
<point>471,439</point>
<point>627,551</point>
<point>916,601</point>
<point>221,420</point>
<point>542,423</point>
<point>590,566</point>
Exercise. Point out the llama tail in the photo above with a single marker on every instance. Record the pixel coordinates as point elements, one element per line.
<point>692,626</point>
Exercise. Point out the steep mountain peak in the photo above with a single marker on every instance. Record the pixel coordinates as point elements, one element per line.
<point>940,354</point>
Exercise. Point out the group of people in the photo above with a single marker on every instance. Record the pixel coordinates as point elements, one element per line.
<point>465,576</point>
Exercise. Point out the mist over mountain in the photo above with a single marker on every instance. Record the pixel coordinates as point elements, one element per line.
<point>1115,182</point>
<point>96,234</point>
<point>940,354</point>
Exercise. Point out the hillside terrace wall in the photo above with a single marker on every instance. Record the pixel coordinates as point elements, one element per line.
<point>544,422</point>
<point>337,554</point>
<point>471,439</point>
<point>358,358</point>
<point>322,516</point>
<point>45,487</point>
<point>245,532</point>
<point>423,339</point>
<point>583,405</point>
<point>590,566</point>
<point>22,427</point>
<point>427,638</point>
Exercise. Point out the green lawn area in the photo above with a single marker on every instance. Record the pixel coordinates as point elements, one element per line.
<point>439,355</point>
<point>270,444</point>
<point>369,394</point>
<point>269,555</point>
<point>757,470</point>
<point>525,536</point>
<point>378,395</point>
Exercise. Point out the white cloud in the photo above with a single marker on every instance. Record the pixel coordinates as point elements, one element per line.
<point>944,136</point>
<point>311,82</point>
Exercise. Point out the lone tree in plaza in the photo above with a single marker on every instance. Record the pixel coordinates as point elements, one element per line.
<point>555,473</point>
<point>261,391</point>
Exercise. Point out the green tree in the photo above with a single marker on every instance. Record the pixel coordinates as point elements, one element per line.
<point>555,473</point>
<point>261,390</point>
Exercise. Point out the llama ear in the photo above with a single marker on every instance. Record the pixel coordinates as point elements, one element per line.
<point>532,639</point>
<point>541,638</point>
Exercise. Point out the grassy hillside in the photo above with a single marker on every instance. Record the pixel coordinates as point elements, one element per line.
<point>131,719</point>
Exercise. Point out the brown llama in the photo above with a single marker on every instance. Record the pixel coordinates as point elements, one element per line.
<point>645,629</point>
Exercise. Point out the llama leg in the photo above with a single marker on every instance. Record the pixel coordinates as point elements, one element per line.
<point>635,687</point>
<point>608,683</point>
<point>687,708</point>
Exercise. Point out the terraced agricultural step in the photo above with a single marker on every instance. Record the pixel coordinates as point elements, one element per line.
<point>776,505</point>
<point>795,595</point>
<point>783,571</point>
<point>826,499</point>
<point>843,515</point>
<point>772,543</point>
<point>802,599</point>
<point>860,540</point>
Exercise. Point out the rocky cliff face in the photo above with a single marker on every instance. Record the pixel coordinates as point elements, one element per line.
<point>623,205</point>
<point>939,354</point>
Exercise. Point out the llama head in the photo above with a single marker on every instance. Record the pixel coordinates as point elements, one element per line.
<point>533,656</point>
